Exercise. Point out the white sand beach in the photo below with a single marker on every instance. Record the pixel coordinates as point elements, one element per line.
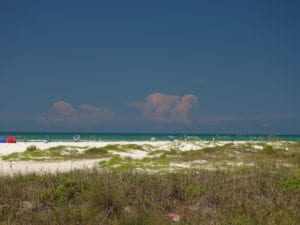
<point>9,167</point>
<point>14,167</point>
<point>6,148</point>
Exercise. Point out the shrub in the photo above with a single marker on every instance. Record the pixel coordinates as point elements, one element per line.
<point>32,148</point>
<point>290,184</point>
<point>269,149</point>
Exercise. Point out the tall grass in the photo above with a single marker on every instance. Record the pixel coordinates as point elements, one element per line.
<point>248,196</point>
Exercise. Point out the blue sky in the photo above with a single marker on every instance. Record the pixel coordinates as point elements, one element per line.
<point>150,66</point>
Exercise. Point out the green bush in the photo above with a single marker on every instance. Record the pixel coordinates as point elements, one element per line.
<point>290,184</point>
<point>269,149</point>
<point>32,148</point>
<point>96,151</point>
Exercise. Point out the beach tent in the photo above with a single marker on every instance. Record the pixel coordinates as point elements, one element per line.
<point>2,140</point>
<point>11,139</point>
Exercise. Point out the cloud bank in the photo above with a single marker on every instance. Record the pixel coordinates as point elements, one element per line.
<point>168,108</point>
<point>63,112</point>
<point>63,108</point>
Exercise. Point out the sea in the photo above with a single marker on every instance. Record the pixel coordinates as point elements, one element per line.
<point>69,137</point>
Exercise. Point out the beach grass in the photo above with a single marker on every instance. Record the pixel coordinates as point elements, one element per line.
<point>123,156</point>
<point>228,156</point>
<point>265,195</point>
<point>62,152</point>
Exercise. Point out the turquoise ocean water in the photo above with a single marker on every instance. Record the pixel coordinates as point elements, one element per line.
<point>145,137</point>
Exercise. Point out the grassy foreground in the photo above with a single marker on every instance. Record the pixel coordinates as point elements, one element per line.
<point>236,184</point>
<point>255,195</point>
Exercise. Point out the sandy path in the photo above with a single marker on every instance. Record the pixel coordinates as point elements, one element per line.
<point>23,167</point>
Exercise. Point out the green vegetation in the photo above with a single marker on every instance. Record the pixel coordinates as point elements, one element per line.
<point>54,153</point>
<point>120,157</point>
<point>229,156</point>
<point>290,184</point>
<point>32,148</point>
<point>117,163</point>
<point>237,184</point>
<point>72,152</point>
<point>266,196</point>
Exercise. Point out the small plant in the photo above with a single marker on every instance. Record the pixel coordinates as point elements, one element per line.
<point>269,149</point>
<point>96,151</point>
<point>290,184</point>
<point>32,148</point>
<point>65,191</point>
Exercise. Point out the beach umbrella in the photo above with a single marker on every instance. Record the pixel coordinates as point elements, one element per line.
<point>76,138</point>
<point>11,139</point>
<point>2,140</point>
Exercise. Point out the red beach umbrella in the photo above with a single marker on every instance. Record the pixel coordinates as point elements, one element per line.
<point>11,139</point>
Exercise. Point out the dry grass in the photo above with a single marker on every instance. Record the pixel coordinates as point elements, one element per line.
<point>264,195</point>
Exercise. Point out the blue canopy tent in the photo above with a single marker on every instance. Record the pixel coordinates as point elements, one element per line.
<point>2,140</point>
